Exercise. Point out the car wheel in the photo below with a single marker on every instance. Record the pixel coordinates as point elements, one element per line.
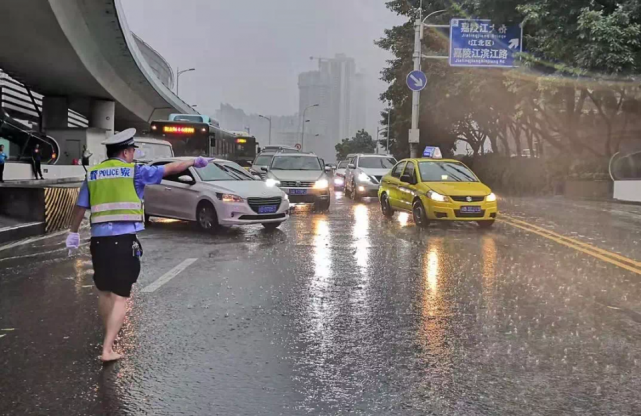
<point>354,194</point>
<point>486,224</point>
<point>321,206</point>
<point>386,207</point>
<point>270,226</point>
<point>206,217</point>
<point>419,214</point>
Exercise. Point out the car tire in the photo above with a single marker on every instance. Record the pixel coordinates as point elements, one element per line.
<point>486,225</point>
<point>206,217</point>
<point>321,206</point>
<point>419,214</point>
<point>271,226</point>
<point>354,193</point>
<point>386,208</point>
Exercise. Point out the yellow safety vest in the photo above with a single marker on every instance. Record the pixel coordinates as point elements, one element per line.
<point>112,193</point>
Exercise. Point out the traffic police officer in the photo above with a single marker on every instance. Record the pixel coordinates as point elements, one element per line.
<point>114,192</point>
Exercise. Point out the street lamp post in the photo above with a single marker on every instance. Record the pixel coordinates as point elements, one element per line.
<point>302,136</point>
<point>378,131</point>
<point>418,55</point>
<point>389,126</point>
<point>178,74</point>
<point>270,127</point>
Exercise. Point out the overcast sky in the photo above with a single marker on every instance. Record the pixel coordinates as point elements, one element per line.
<point>249,53</point>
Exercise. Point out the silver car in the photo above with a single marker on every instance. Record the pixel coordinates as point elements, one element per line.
<point>303,177</point>
<point>221,194</point>
<point>364,173</point>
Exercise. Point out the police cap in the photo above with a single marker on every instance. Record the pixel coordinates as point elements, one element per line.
<point>122,140</point>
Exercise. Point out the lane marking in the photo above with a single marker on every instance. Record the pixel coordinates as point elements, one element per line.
<point>576,247</point>
<point>573,241</point>
<point>168,276</point>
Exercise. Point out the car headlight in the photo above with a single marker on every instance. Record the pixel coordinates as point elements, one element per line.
<point>491,197</point>
<point>272,182</point>
<point>229,198</point>
<point>435,196</point>
<point>363,177</point>
<point>339,181</point>
<point>321,184</point>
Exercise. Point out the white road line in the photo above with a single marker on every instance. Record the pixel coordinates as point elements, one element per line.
<point>168,276</point>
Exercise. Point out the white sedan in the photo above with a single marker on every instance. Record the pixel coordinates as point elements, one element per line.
<point>223,193</point>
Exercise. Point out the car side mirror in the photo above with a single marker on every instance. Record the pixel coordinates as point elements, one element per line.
<point>264,169</point>
<point>186,179</point>
<point>328,169</point>
<point>351,166</point>
<point>408,179</point>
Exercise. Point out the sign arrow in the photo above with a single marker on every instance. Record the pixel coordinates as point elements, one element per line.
<point>418,82</point>
<point>514,43</point>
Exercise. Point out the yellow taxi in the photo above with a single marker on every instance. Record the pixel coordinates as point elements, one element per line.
<point>435,189</point>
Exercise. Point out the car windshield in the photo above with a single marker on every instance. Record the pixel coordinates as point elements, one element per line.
<point>376,162</point>
<point>296,163</point>
<point>263,160</point>
<point>218,172</point>
<point>445,172</point>
<point>236,170</point>
<point>342,165</point>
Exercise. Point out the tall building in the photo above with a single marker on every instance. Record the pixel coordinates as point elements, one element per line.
<point>340,93</point>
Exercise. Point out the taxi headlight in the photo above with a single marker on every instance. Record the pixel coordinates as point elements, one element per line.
<point>363,177</point>
<point>272,182</point>
<point>491,197</point>
<point>435,196</point>
<point>230,198</point>
<point>321,184</point>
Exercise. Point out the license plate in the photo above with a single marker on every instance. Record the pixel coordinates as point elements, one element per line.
<point>267,209</point>
<point>298,191</point>
<point>470,210</point>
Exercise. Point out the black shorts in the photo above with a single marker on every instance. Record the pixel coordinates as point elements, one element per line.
<point>116,268</point>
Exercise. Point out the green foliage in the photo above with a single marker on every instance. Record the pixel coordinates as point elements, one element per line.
<point>576,92</point>
<point>361,143</point>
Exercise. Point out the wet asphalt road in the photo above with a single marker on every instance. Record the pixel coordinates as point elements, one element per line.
<point>342,313</point>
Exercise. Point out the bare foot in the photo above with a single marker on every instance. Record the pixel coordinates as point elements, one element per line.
<point>108,357</point>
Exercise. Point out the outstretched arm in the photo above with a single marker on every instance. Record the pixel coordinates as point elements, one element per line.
<point>177,167</point>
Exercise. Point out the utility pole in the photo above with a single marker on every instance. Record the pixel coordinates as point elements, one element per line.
<point>302,136</point>
<point>414,135</point>
<point>270,127</point>
<point>389,126</point>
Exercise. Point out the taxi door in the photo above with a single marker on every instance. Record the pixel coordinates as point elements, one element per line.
<point>407,188</point>
<point>392,182</point>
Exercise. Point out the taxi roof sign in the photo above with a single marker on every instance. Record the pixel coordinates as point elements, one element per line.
<point>432,152</point>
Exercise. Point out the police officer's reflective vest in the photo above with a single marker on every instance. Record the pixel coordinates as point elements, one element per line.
<point>112,193</point>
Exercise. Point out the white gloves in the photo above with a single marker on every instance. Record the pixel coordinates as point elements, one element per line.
<point>73,241</point>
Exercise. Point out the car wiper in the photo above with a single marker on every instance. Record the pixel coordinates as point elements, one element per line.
<point>471,178</point>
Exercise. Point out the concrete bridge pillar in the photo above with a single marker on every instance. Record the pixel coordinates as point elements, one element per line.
<point>55,113</point>
<point>102,115</point>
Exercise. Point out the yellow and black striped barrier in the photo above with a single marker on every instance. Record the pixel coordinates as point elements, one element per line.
<point>59,203</point>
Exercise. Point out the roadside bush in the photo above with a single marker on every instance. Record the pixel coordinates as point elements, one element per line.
<point>521,176</point>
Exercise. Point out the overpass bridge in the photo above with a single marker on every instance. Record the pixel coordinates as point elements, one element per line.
<point>81,56</point>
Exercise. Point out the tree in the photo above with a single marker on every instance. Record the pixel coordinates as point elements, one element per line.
<point>361,143</point>
<point>576,91</point>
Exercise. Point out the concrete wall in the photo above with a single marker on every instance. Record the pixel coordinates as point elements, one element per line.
<point>629,191</point>
<point>22,171</point>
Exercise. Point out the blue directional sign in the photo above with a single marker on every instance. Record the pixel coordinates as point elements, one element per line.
<point>417,81</point>
<point>482,43</point>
